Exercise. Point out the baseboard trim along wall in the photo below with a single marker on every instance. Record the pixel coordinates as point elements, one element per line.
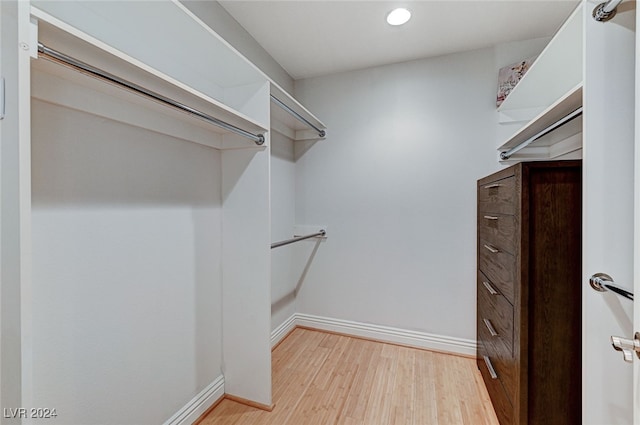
<point>445,344</point>
<point>285,328</point>
<point>198,405</point>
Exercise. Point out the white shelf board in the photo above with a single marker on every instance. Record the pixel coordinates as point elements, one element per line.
<point>554,143</point>
<point>61,36</point>
<point>172,38</point>
<point>288,125</point>
<point>557,69</point>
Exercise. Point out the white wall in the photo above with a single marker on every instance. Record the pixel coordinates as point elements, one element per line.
<point>395,181</point>
<point>126,269</point>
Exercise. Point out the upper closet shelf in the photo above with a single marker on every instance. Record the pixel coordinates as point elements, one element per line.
<point>548,92</point>
<point>557,70</point>
<point>291,119</point>
<point>190,65</point>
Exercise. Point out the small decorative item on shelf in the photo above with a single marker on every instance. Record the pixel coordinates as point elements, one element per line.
<point>510,75</point>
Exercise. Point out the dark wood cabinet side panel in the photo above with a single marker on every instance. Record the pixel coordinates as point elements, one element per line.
<point>554,317</point>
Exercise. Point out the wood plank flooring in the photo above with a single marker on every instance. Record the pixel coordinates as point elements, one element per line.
<point>326,379</point>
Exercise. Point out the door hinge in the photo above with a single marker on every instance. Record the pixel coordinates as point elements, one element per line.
<point>2,98</point>
<point>627,346</point>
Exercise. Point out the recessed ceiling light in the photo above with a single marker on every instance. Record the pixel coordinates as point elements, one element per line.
<point>398,16</point>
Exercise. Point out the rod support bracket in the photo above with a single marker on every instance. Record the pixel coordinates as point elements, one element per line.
<point>260,140</point>
<point>597,281</point>
<point>504,156</point>
<point>600,15</point>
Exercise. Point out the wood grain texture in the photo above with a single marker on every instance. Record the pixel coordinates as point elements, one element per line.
<point>499,231</point>
<point>327,379</point>
<point>498,196</point>
<point>500,268</point>
<point>539,382</point>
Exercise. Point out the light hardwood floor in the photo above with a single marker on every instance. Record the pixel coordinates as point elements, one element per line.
<point>324,379</point>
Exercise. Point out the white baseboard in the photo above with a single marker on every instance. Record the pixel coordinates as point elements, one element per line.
<point>283,330</point>
<point>199,404</point>
<point>466,347</point>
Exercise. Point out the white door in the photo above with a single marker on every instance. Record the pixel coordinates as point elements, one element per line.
<point>608,213</point>
<point>10,372</point>
<point>636,271</point>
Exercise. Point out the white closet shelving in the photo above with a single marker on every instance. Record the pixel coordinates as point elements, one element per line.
<point>550,90</point>
<point>287,124</point>
<point>85,31</point>
<point>179,57</point>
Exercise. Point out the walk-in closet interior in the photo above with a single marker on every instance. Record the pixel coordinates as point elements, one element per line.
<point>185,184</point>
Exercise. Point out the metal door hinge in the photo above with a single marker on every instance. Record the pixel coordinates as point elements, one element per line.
<point>627,346</point>
<point>2,98</point>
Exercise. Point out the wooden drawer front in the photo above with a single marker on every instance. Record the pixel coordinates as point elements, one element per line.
<point>503,363</point>
<point>498,197</point>
<point>499,230</point>
<point>501,403</point>
<point>499,267</point>
<point>496,315</point>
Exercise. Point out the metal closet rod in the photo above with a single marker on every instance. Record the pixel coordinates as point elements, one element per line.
<point>322,232</point>
<point>299,117</point>
<point>507,154</point>
<point>602,282</point>
<point>64,59</point>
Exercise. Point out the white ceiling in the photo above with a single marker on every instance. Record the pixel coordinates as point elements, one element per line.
<point>311,38</point>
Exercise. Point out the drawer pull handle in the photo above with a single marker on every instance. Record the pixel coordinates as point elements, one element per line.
<point>490,288</point>
<point>490,217</point>
<point>492,371</point>
<point>489,326</point>
<point>493,186</point>
<point>492,249</point>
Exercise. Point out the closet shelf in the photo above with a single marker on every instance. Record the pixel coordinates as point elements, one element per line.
<point>564,140</point>
<point>55,83</point>
<point>549,91</point>
<point>557,69</point>
<point>287,124</point>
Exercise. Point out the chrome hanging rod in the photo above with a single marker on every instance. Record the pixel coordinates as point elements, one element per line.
<point>602,282</point>
<point>507,154</point>
<point>64,59</point>
<point>299,117</point>
<point>297,239</point>
<point>605,11</point>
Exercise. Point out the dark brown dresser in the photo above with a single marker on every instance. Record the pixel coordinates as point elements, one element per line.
<point>529,291</point>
